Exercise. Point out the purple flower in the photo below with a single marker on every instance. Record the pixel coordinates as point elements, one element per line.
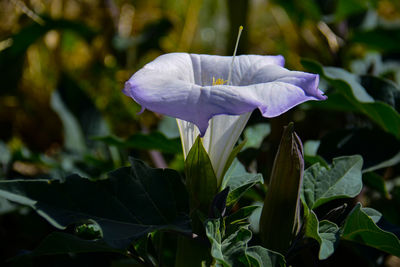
<point>192,88</point>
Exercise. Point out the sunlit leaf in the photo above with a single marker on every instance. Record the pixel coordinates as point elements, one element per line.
<point>326,233</point>
<point>230,247</point>
<point>348,85</point>
<point>361,228</point>
<point>239,181</point>
<point>341,180</point>
<point>255,134</point>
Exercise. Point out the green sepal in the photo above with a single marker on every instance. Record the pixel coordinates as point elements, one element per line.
<point>201,182</point>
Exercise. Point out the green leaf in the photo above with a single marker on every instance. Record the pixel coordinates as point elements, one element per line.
<point>59,243</point>
<point>201,182</point>
<point>229,246</point>
<point>326,233</point>
<point>343,179</point>
<point>239,181</point>
<point>348,85</point>
<point>311,160</point>
<point>169,127</point>
<point>133,201</point>
<point>255,134</point>
<point>262,257</point>
<point>382,90</point>
<point>226,249</point>
<point>241,216</point>
<point>154,140</point>
<point>361,228</point>
<point>373,214</point>
<point>62,243</point>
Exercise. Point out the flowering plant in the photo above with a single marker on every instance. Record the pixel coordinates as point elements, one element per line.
<point>184,86</point>
<point>212,199</point>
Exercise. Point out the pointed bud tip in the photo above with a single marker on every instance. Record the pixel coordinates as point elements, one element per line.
<point>290,127</point>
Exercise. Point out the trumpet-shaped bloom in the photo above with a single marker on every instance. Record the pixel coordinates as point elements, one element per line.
<point>184,86</point>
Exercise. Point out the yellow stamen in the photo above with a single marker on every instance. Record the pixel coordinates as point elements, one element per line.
<point>218,81</point>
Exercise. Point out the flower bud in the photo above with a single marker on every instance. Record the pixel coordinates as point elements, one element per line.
<point>281,204</point>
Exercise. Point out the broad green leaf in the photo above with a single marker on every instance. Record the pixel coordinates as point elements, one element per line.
<point>201,182</point>
<point>310,153</point>
<point>229,246</point>
<point>227,250</point>
<point>311,147</point>
<point>373,214</point>
<point>254,218</point>
<point>262,257</point>
<point>382,90</point>
<point>168,127</point>
<point>239,181</point>
<point>132,202</point>
<point>326,233</point>
<point>360,227</point>
<point>348,85</point>
<point>341,180</point>
<point>59,243</point>
<point>311,160</point>
<point>255,134</point>
<point>62,243</point>
<point>154,140</point>
<point>343,77</point>
<point>241,216</point>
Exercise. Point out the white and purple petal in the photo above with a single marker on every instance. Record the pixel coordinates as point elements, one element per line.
<point>180,85</point>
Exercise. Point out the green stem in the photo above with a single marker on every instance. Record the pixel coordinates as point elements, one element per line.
<point>191,252</point>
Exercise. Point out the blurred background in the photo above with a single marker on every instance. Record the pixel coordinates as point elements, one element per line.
<point>63,64</point>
